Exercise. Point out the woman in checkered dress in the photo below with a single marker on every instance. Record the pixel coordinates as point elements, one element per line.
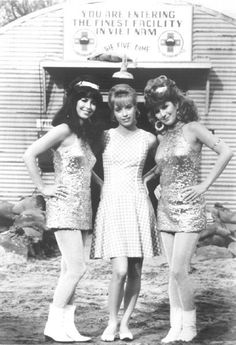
<point>125,226</point>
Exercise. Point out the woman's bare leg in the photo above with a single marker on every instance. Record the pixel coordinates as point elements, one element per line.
<point>116,291</point>
<point>71,245</point>
<point>132,290</point>
<point>168,243</point>
<point>183,249</point>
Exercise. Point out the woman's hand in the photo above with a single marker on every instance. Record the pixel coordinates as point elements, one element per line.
<point>57,191</point>
<point>145,181</point>
<point>157,192</point>
<point>97,179</point>
<point>194,192</point>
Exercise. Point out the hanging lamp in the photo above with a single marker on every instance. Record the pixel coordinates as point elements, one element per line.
<point>123,73</point>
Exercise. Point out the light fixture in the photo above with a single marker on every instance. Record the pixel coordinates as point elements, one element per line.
<point>123,73</point>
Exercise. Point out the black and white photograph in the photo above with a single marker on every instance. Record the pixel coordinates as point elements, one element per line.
<point>118,172</point>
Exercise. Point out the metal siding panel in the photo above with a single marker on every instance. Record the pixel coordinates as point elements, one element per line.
<point>23,47</point>
<point>215,37</point>
<point>39,37</point>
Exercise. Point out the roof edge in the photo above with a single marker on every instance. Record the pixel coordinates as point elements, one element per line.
<point>62,5</point>
<point>31,15</point>
<point>213,12</point>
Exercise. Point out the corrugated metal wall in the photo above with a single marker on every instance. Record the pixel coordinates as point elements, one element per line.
<point>214,36</point>
<point>39,36</point>
<point>23,44</point>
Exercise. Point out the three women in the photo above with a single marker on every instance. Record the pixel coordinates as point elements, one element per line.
<point>125,228</point>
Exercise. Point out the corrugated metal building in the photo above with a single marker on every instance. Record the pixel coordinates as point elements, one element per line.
<point>33,73</point>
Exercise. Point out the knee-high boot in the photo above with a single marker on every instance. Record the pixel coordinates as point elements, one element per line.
<point>69,325</point>
<point>54,328</point>
<point>175,324</point>
<point>189,330</point>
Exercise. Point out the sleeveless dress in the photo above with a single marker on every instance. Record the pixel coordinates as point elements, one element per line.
<point>125,224</point>
<point>73,165</point>
<point>178,165</point>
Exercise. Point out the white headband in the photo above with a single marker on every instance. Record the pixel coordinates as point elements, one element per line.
<point>161,89</point>
<point>87,83</point>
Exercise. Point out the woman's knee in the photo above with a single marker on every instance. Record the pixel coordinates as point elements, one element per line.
<point>120,273</point>
<point>135,274</point>
<point>178,275</point>
<point>76,273</point>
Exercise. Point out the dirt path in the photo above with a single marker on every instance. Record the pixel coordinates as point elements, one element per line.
<point>26,290</point>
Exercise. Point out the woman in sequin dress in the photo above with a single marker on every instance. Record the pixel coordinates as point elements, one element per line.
<point>68,201</point>
<point>125,227</point>
<point>181,207</point>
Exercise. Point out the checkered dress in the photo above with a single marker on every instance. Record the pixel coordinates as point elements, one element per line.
<point>125,224</point>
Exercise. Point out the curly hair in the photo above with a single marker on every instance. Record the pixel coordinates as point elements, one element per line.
<point>160,90</point>
<point>81,87</point>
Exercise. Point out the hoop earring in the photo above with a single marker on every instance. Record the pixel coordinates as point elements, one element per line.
<point>178,115</point>
<point>138,114</point>
<point>114,120</point>
<point>159,126</point>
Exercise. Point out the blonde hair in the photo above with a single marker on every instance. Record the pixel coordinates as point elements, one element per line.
<point>120,92</point>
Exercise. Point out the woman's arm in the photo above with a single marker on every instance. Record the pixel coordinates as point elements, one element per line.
<point>152,143</point>
<point>97,179</point>
<point>51,139</point>
<point>204,136</point>
<point>152,173</point>
<point>152,148</point>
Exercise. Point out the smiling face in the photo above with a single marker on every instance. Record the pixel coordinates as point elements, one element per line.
<point>125,112</point>
<point>85,107</point>
<point>167,113</point>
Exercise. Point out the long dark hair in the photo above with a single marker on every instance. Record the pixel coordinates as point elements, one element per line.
<point>162,89</point>
<point>91,129</point>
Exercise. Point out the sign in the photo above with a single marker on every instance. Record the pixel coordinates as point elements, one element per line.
<point>148,32</point>
<point>44,124</point>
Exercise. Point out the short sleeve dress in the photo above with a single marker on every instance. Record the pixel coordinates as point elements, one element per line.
<point>125,223</point>
<point>179,166</point>
<point>72,165</point>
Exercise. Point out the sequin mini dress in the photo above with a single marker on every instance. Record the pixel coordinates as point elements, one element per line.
<point>178,165</point>
<point>125,223</point>
<point>72,165</point>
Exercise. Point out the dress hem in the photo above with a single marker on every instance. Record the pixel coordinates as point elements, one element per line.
<point>67,229</point>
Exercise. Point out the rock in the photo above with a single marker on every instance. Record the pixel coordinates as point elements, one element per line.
<point>2,251</point>
<point>34,218</point>
<point>213,252</point>
<point>204,242</point>
<point>218,240</point>
<point>24,234</point>
<point>209,231</point>
<point>222,230</point>
<point>3,228</point>
<point>30,232</point>
<point>12,246</point>
<point>7,215</point>
<point>232,248</point>
<point>232,236</point>
<point>225,214</point>
<point>9,258</point>
<point>49,244</point>
<point>231,227</point>
<point>30,202</point>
